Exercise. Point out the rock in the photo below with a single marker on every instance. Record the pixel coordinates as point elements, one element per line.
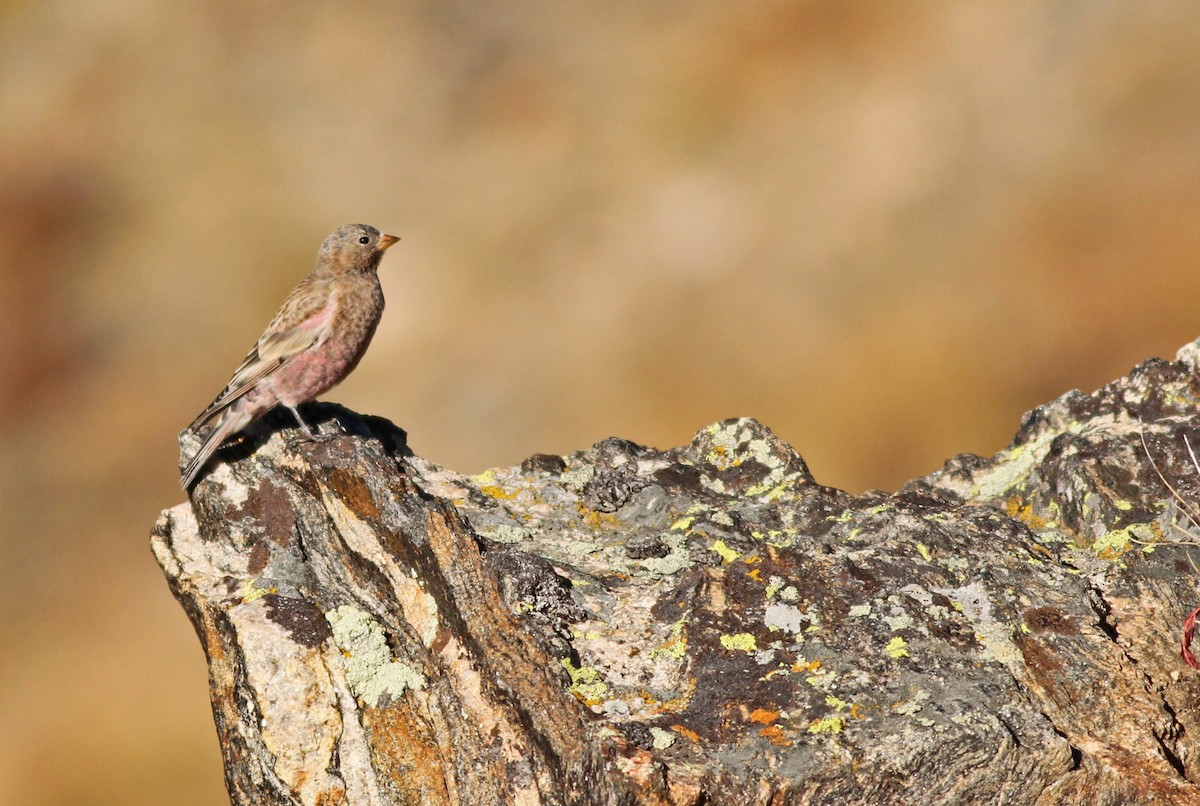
<point>705,624</point>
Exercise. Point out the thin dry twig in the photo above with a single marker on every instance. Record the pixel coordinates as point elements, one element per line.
<point>1189,622</point>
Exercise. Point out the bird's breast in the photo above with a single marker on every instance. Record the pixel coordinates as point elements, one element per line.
<point>357,308</point>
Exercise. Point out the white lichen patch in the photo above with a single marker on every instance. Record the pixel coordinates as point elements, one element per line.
<point>973,602</point>
<point>371,671</point>
<point>788,618</point>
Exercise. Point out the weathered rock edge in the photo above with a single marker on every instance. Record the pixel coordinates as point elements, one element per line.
<point>704,625</point>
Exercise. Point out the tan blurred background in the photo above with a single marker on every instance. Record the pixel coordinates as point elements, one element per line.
<point>885,230</point>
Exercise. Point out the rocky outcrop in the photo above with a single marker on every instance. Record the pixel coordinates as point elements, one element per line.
<point>706,624</point>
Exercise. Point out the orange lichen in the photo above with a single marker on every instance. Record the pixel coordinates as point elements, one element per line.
<point>1016,508</point>
<point>763,716</point>
<point>774,734</point>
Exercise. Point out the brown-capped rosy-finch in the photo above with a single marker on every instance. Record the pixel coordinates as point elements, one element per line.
<point>315,340</point>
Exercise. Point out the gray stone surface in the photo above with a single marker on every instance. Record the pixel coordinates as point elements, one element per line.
<point>705,624</point>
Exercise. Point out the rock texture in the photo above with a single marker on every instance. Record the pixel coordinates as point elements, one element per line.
<point>703,625</point>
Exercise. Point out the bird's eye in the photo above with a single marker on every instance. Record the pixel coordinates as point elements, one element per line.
<point>364,239</point>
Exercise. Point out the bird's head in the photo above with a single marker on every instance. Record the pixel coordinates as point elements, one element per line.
<point>355,248</point>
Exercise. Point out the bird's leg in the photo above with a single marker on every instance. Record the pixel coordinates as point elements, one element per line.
<point>304,425</point>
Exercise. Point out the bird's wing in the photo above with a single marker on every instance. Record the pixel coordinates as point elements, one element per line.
<point>311,313</point>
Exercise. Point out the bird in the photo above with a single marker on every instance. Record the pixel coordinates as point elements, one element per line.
<point>315,340</point>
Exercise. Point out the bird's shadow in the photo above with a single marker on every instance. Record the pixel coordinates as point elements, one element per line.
<point>329,421</point>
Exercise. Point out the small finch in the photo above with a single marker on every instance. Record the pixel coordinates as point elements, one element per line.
<point>315,340</point>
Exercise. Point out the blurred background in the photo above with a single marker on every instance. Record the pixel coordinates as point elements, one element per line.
<point>885,230</point>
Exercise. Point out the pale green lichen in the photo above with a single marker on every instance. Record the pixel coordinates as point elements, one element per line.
<point>371,671</point>
<point>674,561</point>
<point>836,703</point>
<point>789,594</point>
<point>1112,545</point>
<point>577,477</point>
<point>775,485</point>
<point>923,550</point>
<point>774,585</point>
<point>662,738</point>
<point>998,645</point>
<point>677,648</point>
<point>1014,465</point>
<point>725,442</point>
<point>506,533</point>
<point>821,678</point>
<point>860,610</point>
<point>896,648</point>
<point>739,642</point>
<point>586,682</point>
<point>913,706</point>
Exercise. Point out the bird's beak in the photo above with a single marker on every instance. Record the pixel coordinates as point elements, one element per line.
<point>386,240</point>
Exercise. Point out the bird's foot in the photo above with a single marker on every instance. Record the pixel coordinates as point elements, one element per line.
<point>315,436</point>
<point>311,434</point>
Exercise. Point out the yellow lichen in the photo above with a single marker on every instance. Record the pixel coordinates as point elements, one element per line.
<point>739,642</point>
<point>492,491</point>
<point>727,554</point>
<point>830,724</point>
<point>586,683</point>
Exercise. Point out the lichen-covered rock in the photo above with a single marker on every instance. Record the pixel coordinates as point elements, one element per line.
<point>705,624</point>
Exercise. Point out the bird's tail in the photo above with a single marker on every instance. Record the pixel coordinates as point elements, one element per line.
<point>231,421</point>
